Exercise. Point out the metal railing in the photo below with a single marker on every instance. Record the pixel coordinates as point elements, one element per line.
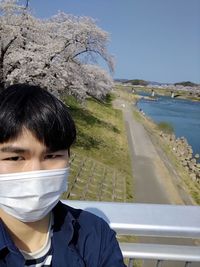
<point>169,224</point>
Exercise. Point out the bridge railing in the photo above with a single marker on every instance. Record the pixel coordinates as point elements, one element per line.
<point>171,227</point>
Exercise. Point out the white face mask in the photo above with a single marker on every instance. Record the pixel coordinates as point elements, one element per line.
<point>30,196</point>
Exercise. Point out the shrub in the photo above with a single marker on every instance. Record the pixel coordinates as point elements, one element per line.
<point>166,127</point>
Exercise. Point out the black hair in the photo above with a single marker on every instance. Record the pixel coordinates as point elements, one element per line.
<point>45,116</point>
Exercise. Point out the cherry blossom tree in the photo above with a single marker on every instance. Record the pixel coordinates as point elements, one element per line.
<point>58,53</point>
<point>98,82</point>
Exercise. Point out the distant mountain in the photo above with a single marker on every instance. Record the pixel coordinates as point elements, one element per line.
<point>138,82</point>
<point>121,80</point>
<point>188,83</point>
<point>153,83</point>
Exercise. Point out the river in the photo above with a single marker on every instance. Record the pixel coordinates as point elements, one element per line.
<point>183,115</point>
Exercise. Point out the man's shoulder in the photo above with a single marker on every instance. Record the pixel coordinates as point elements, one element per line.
<point>83,217</point>
<point>90,235</point>
<point>81,224</point>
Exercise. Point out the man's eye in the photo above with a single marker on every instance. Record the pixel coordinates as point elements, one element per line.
<point>17,158</point>
<point>52,156</point>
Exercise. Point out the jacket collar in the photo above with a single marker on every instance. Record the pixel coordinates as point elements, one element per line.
<point>66,231</point>
<point>5,239</point>
<point>7,244</point>
<point>65,222</point>
<point>66,228</point>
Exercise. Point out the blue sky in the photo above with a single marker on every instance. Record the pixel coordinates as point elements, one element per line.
<point>156,40</point>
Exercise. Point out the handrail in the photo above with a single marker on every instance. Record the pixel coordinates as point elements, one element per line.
<point>146,219</point>
<point>151,220</point>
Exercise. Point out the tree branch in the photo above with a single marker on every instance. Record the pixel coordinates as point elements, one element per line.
<point>90,50</point>
<point>27,4</point>
<point>4,50</point>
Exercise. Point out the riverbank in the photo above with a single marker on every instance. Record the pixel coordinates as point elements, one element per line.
<point>183,116</point>
<point>153,175</point>
<point>181,148</point>
<point>179,153</point>
<point>152,181</point>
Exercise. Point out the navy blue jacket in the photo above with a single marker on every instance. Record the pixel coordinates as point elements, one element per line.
<point>80,239</point>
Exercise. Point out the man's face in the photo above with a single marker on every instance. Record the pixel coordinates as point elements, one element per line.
<point>26,153</point>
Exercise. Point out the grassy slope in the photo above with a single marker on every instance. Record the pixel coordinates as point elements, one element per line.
<point>101,136</point>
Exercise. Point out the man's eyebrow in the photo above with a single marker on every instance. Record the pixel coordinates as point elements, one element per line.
<point>14,149</point>
<point>20,150</point>
<point>50,151</point>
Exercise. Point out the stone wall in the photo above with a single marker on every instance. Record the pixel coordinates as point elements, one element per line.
<point>184,152</point>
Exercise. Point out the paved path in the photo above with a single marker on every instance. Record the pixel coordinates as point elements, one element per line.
<point>152,180</point>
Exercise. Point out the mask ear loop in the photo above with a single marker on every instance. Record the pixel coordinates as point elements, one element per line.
<point>69,154</point>
<point>68,150</point>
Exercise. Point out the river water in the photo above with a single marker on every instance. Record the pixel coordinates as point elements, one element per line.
<point>183,115</point>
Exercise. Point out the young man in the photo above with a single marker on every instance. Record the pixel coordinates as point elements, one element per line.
<point>36,132</point>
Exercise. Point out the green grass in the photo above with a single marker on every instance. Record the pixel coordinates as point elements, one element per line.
<point>137,115</point>
<point>165,127</point>
<point>101,137</point>
<point>91,180</point>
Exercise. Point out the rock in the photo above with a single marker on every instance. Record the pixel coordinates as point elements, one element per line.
<point>189,156</point>
<point>196,156</point>
<point>190,150</point>
<point>182,153</point>
<point>194,161</point>
<point>184,162</point>
<point>193,176</point>
<point>172,138</point>
<point>197,172</point>
<point>191,166</point>
<point>198,165</point>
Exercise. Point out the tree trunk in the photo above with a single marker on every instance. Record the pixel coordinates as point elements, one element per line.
<point>2,56</point>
